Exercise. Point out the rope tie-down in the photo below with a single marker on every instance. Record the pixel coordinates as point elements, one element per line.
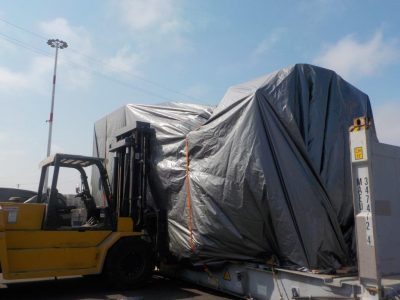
<point>189,200</point>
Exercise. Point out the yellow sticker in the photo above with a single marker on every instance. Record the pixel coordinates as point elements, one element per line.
<point>227,276</point>
<point>358,153</point>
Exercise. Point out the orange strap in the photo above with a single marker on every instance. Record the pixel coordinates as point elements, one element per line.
<point>189,200</point>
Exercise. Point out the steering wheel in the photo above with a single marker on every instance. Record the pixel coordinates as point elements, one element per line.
<point>84,194</point>
<point>89,203</point>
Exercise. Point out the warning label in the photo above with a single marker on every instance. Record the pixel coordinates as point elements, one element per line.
<point>12,214</point>
<point>227,276</point>
<point>358,153</point>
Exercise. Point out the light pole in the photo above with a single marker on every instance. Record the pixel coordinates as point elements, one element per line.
<point>58,44</point>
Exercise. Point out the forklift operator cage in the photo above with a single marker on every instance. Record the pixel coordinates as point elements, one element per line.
<point>266,174</point>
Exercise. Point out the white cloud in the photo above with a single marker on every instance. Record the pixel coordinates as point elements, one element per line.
<point>75,67</point>
<point>155,24</point>
<point>77,37</point>
<point>13,155</point>
<point>125,61</point>
<point>141,15</point>
<point>33,78</point>
<point>269,42</point>
<point>76,74</point>
<point>384,115</point>
<point>12,80</point>
<point>351,58</point>
<point>37,73</point>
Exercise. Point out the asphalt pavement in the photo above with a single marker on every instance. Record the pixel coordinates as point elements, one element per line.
<point>85,288</point>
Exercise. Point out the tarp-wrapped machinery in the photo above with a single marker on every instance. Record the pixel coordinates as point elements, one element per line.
<point>265,173</point>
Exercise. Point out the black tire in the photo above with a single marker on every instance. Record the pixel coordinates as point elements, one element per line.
<point>129,264</point>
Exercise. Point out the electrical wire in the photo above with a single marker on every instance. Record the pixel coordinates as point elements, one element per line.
<point>23,45</point>
<point>144,91</point>
<point>101,62</point>
<point>23,29</point>
<point>82,67</point>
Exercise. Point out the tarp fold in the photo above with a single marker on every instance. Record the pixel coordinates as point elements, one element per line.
<point>265,173</point>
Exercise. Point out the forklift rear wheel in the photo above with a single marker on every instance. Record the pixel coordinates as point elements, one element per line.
<point>130,263</point>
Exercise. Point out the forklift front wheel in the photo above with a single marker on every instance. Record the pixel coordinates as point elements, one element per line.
<point>129,264</point>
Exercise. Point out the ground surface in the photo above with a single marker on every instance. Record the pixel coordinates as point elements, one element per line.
<point>89,288</point>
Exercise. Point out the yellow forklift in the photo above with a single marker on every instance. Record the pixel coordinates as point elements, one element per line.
<point>120,240</point>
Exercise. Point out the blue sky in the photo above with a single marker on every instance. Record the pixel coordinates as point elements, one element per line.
<point>172,50</point>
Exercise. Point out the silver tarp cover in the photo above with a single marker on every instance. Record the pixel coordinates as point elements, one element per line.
<point>266,173</point>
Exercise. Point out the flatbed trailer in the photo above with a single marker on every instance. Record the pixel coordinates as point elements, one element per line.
<point>376,198</point>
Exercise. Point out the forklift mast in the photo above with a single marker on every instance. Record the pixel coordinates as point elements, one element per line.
<point>130,172</point>
<point>130,180</point>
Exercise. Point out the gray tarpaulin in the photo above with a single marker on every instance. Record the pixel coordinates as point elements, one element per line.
<point>266,173</point>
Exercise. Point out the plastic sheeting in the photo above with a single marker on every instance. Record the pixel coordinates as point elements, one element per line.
<point>267,173</point>
<point>172,122</point>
